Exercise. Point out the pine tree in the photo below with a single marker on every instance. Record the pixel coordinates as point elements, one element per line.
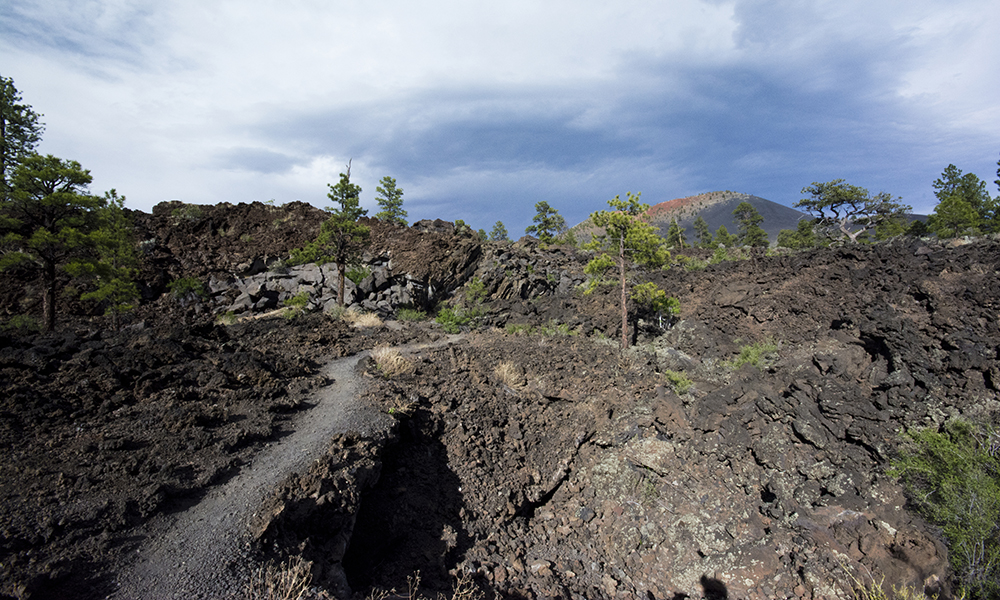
<point>953,216</point>
<point>47,221</point>
<point>341,238</point>
<point>548,223</point>
<point>748,226</point>
<point>20,132</point>
<point>799,238</point>
<point>499,233</point>
<point>956,191</point>
<point>116,263</point>
<point>629,236</point>
<point>724,238</point>
<point>675,236</point>
<point>844,211</point>
<point>702,233</point>
<point>390,200</point>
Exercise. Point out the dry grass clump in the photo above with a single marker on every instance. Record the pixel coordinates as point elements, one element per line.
<point>362,320</point>
<point>876,590</point>
<point>288,580</point>
<point>465,589</point>
<point>509,374</point>
<point>391,363</point>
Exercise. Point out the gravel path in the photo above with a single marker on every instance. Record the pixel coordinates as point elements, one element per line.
<point>204,552</point>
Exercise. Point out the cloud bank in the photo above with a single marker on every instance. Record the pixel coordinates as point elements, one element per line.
<point>481,110</point>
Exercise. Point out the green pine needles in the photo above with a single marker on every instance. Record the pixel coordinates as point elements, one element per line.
<point>952,478</point>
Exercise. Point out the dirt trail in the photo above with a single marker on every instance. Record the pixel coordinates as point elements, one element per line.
<point>204,551</point>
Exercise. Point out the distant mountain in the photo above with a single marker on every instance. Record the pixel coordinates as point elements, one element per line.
<point>717,210</point>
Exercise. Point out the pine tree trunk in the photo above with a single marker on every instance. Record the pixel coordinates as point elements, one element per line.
<point>621,269</point>
<point>49,297</point>
<point>341,275</point>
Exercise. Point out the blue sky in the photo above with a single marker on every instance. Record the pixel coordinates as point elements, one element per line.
<point>481,109</point>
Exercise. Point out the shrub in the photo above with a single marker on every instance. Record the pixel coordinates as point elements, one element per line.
<point>475,291</point>
<point>464,589</point>
<point>185,286</point>
<point>391,363</point>
<point>556,328</point>
<point>358,274</point>
<point>147,246</point>
<point>22,324</point>
<point>191,212</point>
<point>656,300</point>
<point>299,301</point>
<point>453,319</point>
<point>518,329</point>
<point>682,384</point>
<point>758,355</point>
<point>953,479</point>
<point>296,305</point>
<point>695,264</point>
<point>289,580</point>
<point>227,318</point>
<point>876,590</point>
<point>410,314</point>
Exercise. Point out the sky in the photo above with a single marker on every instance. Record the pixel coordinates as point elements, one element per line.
<point>480,110</point>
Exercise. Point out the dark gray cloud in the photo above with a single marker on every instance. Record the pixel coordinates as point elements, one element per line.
<point>256,160</point>
<point>667,98</point>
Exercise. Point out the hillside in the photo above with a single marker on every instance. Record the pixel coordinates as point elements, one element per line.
<point>525,454</point>
<point>717,210</point>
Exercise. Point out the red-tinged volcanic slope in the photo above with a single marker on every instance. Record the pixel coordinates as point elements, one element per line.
<point>716,208</point>
<point>681,207</point>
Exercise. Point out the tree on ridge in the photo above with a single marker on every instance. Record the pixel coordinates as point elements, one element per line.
<point>390,200</point>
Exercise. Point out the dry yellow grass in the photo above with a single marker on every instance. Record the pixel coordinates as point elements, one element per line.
<point>465,589</point>
<point>509,374</point>
<point>362,320</point>
<point>391,363</point>
<point>286,581</point>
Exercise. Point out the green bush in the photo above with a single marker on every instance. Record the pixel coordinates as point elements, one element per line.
<point>718,256</point>
<point>191,212</point>
<point>519,329</point>
<point>682,384</point>
<point>298,301</point>
<point>953,479</point>
<point>695,264</point>
<point>475,291</point>
<point>183,286</point>
<point>358,274</point>
<point>22,324</point>
<point>296,305</point>
<point>410,314</point>
<point>554,328</point>
<point>453,319</point>
<point>759,354</point>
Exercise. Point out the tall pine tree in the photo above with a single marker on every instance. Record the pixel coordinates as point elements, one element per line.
<point>628,236</point>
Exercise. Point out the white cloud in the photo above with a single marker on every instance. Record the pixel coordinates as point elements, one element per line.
<point>251,99</point>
